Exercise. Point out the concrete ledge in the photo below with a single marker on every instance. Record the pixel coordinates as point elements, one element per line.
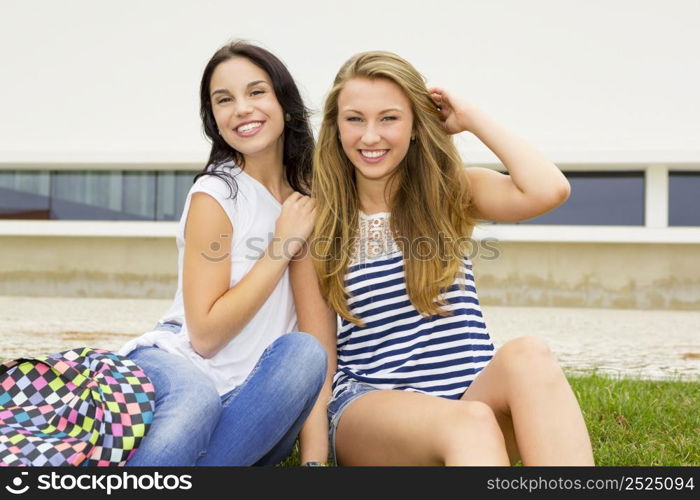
<point>92,229</point>
<point>501,232</point>
<point>588,234</point>
<point>88,266</point>
<point>602,275</point>
<point>513,273</point>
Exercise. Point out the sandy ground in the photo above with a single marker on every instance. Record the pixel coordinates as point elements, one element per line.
<point>647,344</point>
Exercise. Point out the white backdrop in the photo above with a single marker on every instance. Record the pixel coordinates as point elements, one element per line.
<point>595,80</point>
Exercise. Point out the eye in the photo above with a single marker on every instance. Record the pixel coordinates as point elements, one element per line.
<point>257,92</point>
<point>353,119</point>
<point>223,100</point>
<point>390,118</point>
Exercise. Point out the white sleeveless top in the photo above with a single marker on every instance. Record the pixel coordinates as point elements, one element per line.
<point>253,214</point>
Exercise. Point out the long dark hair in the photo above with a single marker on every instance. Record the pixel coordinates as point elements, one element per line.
<point>297,156</point>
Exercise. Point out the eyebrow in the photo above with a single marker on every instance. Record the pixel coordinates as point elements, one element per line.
<point>388,110</point>
<point>251,84</point>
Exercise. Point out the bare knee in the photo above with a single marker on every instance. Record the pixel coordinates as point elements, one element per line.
<point>527,345</point>
<point>473,435</point>
<point>477,417</point>
<point>527,351</point>
<point>530,359</point>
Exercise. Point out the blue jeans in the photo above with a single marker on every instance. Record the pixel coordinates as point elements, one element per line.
<point>256,423</point>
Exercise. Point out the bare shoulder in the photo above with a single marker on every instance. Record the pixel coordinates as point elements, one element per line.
<point>207,223</point>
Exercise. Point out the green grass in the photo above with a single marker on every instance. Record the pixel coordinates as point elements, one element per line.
<point>640,422</point>
<point>634,422</point>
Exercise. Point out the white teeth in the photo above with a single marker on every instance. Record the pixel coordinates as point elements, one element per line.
<point>373,154</point>
<point>249,126</point>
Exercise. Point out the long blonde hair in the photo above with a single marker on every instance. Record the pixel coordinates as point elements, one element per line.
<point>431,198</point>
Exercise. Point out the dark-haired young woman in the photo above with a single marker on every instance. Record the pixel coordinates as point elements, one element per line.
<point>234,382</point>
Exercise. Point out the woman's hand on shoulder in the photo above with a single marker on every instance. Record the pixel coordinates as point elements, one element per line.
<point>296,221</point>
<point>457,115</point>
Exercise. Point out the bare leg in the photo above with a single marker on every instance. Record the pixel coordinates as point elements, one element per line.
<point>407,428</point>
<point>534,404</point>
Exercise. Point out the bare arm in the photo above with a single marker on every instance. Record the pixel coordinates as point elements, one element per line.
<point>214,312</point>
<point>318,319</point>
<point>535,185</point>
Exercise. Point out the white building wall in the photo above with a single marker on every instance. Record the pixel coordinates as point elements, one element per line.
<point>595,81</point>
<point>594,84</point>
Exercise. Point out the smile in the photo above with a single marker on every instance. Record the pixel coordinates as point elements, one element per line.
<point>373,155</point>
<point>249,129</point>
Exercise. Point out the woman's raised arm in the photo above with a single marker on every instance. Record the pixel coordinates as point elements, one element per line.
<point>534,185</point>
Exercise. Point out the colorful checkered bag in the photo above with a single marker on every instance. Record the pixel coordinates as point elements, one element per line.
<point>79,407</point>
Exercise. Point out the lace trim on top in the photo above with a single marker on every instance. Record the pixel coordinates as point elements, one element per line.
<point>374,238</point>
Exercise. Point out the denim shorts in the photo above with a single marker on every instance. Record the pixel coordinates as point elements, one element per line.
<point>338,405</point>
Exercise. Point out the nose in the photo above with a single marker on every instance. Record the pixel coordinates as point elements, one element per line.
<point>370,136</point>
<point>243,108</point>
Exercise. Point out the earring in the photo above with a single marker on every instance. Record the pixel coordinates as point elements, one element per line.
<point>413,138</point>
<point>287,117</point>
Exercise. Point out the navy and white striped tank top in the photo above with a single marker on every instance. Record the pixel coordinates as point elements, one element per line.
<point>398,348</point>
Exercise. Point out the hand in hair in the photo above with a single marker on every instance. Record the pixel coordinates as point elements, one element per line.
<point>456,114</point>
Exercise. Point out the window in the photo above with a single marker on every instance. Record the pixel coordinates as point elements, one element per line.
<point>684,198</point>
<point>93,194</point>
<point>600,199</point>
<point>24,194</point>
<point>172,189</point>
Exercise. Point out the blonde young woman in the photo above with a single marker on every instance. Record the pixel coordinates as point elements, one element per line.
<point>413,376</point>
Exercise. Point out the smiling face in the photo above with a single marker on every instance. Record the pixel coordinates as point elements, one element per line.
<point>246,110</point>
<point>375,123</point>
